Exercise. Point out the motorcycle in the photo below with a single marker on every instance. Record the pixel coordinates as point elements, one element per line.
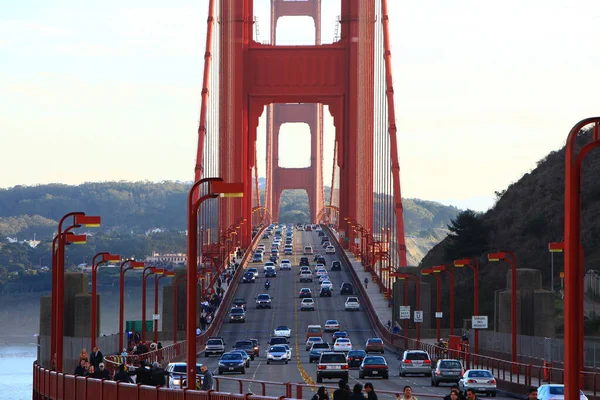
<point>267,285</point>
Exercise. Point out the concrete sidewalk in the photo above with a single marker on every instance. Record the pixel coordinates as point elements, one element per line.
<point>380,303</point>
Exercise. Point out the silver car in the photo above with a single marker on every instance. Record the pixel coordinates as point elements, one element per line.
<point>277,353</point>
<point>415,362</point>
<point>555,391</point>
<point>480,380</point>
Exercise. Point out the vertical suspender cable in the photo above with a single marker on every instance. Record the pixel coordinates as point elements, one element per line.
<point>392,133</point>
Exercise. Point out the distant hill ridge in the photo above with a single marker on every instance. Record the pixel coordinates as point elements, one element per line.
<point>526,217</point>
<point>141,206</point>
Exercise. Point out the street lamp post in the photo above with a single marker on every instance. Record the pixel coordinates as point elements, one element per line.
<point>216,188</point>
<point>79,219</point>
<point>405,277</point>
<point>474,265</point>
<point>139,265</point>
<point>145,274</point>
<point>510,257</point>
<point>430,271</point>
<point>554,247</point>
<point>158,277</point>
<point>105,257</point>
<point>450,272</point>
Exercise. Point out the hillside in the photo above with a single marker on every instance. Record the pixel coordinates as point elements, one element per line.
<point>130,210</point>
<point>526,217</point>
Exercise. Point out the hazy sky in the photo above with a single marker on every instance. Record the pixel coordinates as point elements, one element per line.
<point>96,91</point>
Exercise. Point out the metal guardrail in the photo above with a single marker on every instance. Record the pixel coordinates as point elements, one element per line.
<point>50,385</point>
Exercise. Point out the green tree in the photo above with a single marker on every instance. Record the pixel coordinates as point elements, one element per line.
<point>468,235</point>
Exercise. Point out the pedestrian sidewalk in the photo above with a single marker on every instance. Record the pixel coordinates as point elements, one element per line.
<point>380,303</point>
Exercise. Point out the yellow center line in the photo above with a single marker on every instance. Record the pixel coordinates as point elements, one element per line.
<point>305,376</point>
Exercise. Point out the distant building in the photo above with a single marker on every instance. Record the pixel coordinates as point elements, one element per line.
<point>177,258</point>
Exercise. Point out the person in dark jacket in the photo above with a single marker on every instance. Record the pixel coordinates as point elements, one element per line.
<point>321,394</point>
<point>102,372</point>
<point>80,369</point>
<point>207,382</point>
<point>454,388</point>
<point>158,375</point>
<point>371,395</point>
<point>122,375</point>
<point>96,357</point>
<point>341,393</point>
<point>357,392</point>
<point>143,375</point>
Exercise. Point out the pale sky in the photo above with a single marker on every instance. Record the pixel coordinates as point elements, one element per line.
<point>97,91</point>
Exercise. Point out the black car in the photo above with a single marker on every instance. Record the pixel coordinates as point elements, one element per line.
<point>355,358</point>
<point>325,292</point>
<point>232,362</point>
<point>263,301</point>
<point>240,303</point>
<point>277,340</point>
<point>373,366</point>
<point>346,288</point>
<point>305,293</point>
<point>321,260</point>
<point>336,266</point>
<point>304,261</point>
<point>274,258</point>
<point>248,277</point>
<point>270,273</point>
<point>317,256</point>
<point>321,233</point>
<point>245,345</point>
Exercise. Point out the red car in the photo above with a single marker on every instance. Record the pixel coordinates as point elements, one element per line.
<point>373,366</point>
<point>374,345</point>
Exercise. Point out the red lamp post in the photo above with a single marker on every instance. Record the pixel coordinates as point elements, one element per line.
<point>105,257</point>
<point>512,259</point>
<point>474,265</point>
<point>574,156</point>
<point>450,272</point>
<point>216,188</point>
<point>430,271</point>
<point>145,274</point>
<point>405,277</point>
<point>158,277</point>
<point>139,265</point>
<point>58,276</point>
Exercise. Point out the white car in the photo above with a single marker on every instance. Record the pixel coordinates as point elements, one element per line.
<point>324,278</point>
<point>326,284</point>
<point>285,264</point>
<point>307,304</point>
<point>342,344</point>
<point>555,391</point>
<point>330,250</point>
<point>320,272</point>
<point>332,325</point>
<point>269,264</point>
<point>320,266</point>
<point>352,304</point>
<point>282,331</point>
<point>481,380</point>
<point>277,353</point>
<point>311,340</point>
<point>304,268</point>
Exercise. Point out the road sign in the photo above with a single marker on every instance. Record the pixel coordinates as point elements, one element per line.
<point>404,312</point>
<point>356,240</point>
<point>438,314</point>
<point>562,275</point>
<point>479,321</point>
<point>418,316</point>
<point>155,316</point>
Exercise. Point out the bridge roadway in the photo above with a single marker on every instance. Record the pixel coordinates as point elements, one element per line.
<point>260,324</point>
